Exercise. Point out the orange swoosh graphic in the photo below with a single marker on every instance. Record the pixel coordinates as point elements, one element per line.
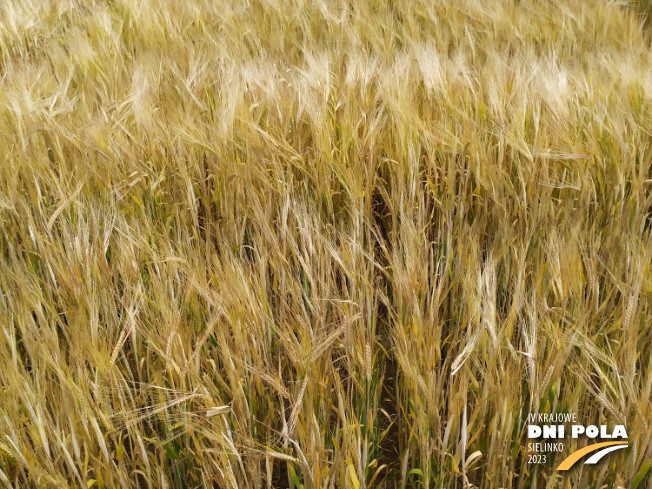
<point>575,456</point>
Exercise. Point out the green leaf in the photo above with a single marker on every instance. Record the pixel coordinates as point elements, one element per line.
<point>152,440</point>
<point>641,475</point>
<point>295,477</point>
<point>172,450</point>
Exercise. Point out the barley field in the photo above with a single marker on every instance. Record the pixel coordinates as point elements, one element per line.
<point>322,243</point>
